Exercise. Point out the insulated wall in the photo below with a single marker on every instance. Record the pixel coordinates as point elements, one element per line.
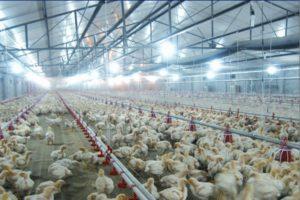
<point>12,86</point>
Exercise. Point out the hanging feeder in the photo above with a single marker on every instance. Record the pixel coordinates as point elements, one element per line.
<point>285,153</point>
<point>153,113</point>
<point>168,118</point>
<point>273,115</point>
<point>229,112</point>
<point>122,184</point>
<point>113,172</point>
<point>140,111</point>
<point>135,197</point>
<point>100,154</point>
<point>238,113</point>
<point>228,135</point>
<point>1,133</point>
<point>11,127</point>
<point>192,125</point>
<point>106,161</point>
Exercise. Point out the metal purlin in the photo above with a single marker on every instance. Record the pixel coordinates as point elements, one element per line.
<point>132,182</point>
<point>234,131</point>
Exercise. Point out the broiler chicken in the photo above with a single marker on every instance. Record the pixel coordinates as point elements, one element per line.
<point>201,190</point>
<point>149,185</point>
<point>175,193</point>
<point>103,183</point>
<point>59,154</point>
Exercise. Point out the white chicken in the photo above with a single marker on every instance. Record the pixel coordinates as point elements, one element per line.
<point>50,136</point>
<point>175,193</point>
<point>57,171</point>
<point>155,167</point>
<point>149,185</point>
<point>103,183</point>
<point>58,184</point>
<point>24,183</point>
<point>201,190</point>
<point>47,194</point>
<point>59,154</point>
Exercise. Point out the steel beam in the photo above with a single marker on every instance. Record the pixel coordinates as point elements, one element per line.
<point>188,27</point>
<point>143,22</point>
<point>49,17</point>
<point>97,9</point>
<point>246,28</point>
<point>124,27</point>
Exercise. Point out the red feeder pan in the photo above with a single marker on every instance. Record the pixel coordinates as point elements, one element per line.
<point>1,133</point>
<point>100,154</point>
<point>107,161</point>
<point>168,118</point>
<point>135,197</point>
<point>228,135</point>
<point>11,127</point>
<point>285,154</point>
<point>113,172</point>
<point>109,149</point>
<point>122,184</point>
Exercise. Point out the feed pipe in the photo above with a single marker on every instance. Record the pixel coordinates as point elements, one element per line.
<point>133,183</point>
<point>234,131</point>
<point>23,112</point>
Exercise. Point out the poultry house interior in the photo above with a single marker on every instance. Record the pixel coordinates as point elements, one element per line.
<point>149,100</point>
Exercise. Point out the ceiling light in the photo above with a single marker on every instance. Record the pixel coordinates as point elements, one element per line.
<point>158,59</point>
<point>114,68</point>
<point>16,68</point>
<point>152,79</point>
<point>252,16</point>
<point>163,72</point>
<point>136,77</point>
<point>130,67</point>
<point>39,80</point>
<point>211,75</point>
<point>215,65</point>
<point>175,77</point>
<point>272,70</point>
<point>167,50</point>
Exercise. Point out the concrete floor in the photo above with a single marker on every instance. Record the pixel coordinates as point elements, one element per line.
<point>81,183</point>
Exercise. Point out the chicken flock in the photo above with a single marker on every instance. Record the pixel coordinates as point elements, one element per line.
<point>177,161</point>
<point>16,180</point>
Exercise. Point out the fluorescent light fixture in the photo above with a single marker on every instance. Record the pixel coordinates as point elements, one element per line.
<point>136,77</point>
<point>211,75</point>
<point>158,59</point>
<point>280,32</point>
<point>252,16</point>
<point>2,26</point>
<point>167,50</point>
<point>215,65</point>
<point>163,72</point>
<point>16,68</point>
<point>114,68</point>
<point>175,77</point>
<point>272,70</point>
<point>39,80</point>
<point>130,67</point>
<point>152,79</point>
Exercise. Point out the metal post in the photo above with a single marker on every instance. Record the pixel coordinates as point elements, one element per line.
<point>212,22</point>
<point>76,26</point>
<point>26,36</point>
